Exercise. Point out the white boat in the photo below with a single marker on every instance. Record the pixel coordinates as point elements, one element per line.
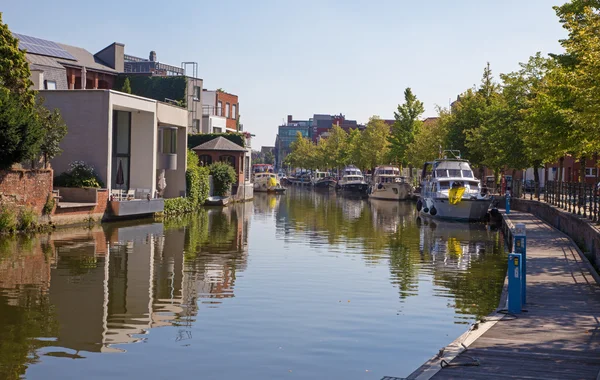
<point>353,180</point>
<point>265,179</point>
<point>450,191</point>
<point>323,180</point>
<point>388,184</point>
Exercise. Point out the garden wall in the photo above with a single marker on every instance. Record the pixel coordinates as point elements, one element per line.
<point>25,188</point>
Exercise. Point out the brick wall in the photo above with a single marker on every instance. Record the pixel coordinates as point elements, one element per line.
<point>25,188</point>
<point>225,98</point>
<point>99,209</point>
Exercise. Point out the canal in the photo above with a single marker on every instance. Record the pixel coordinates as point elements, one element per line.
<point>301,286</point>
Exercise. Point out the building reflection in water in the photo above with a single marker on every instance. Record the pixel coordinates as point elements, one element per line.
<point>99,288</point>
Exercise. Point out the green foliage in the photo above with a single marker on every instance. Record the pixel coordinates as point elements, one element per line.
<point>269,158</point>
<point>426,144</point>
<point>54,130</point>
<point>8,220</point>
<point>126,88</point>
<point>158,88</point>
<point>197,188</point>
<point>406,126</point>
<point>49,205</point>
<point>224,176</point>
<point>27,219</point>
<point>14,69</point>
<point>197,139</point>
<point>79,174</point>
<point>374,145</point>
<point>20,129</point>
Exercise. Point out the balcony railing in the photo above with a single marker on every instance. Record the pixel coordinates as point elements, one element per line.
<point>212,111</point>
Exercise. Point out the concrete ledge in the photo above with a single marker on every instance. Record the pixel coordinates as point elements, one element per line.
<point>137,207</point>
<point>77,194</point>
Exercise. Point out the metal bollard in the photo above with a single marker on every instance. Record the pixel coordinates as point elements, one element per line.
<point>507,196</point>
<point>520,246</point>
<point>514,283</point>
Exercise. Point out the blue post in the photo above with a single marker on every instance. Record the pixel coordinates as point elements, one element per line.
<point>507,196</point>
<point>520,246</point>
<point>514,283</point>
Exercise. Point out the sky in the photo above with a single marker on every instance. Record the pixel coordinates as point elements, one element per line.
<point>299,58</point>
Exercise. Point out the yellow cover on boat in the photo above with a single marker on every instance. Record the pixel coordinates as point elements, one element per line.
<point>272,182</point>
<point>455,195</point>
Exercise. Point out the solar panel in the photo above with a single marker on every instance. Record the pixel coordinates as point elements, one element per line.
<point>35,45</point>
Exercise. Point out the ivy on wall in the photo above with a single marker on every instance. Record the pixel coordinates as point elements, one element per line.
<point>157,88</point>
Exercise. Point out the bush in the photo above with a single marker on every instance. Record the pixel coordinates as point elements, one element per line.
<point>223,177</point>
<point>27,219</point>
<point>8,220</point>
<point>197,188</point>
<point>79,174</point>
<point>49,205</point>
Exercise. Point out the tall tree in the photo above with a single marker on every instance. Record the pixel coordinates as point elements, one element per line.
<point>427,144</point>
<point>14,69</point>
<point>375,146</point>
<point>54,130</point>
<point>405,127</point>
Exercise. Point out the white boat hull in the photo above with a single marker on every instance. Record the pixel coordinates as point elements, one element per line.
<point>465,210</point>
<point>391,191</point>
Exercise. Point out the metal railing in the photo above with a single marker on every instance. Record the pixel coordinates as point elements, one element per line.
<point>575,197</point>
<point>212,111</point>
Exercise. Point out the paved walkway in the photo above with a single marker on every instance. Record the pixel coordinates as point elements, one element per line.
<point>559,336</point>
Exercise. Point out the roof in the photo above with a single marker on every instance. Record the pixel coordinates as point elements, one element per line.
<point>85,58</point>
<point>220,143</point>
<point>42,60</point>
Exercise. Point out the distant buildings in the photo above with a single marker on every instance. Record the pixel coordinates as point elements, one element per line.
<point>314,128</point>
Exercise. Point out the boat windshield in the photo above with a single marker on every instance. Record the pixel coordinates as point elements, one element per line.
<point>467,173</point>
<point>354,178</point>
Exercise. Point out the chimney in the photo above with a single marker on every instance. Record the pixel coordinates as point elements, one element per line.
<point>152,56</point>
<point>113,55</point>
<point>290,118</point>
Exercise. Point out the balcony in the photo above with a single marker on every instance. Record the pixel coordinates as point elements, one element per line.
<point>166,161</point>
<point>212,111</point>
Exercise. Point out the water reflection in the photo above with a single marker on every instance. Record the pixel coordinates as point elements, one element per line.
<point>78,292</point>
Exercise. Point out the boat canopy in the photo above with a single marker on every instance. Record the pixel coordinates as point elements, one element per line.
<point>452,169</point>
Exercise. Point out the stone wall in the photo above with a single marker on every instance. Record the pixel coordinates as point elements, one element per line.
<point>25,188</point>
<point>585,233</point>
<point>78,215</point>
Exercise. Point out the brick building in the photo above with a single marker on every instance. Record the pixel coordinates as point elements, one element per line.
<point>221,104</point>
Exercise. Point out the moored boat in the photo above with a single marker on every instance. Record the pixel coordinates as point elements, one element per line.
<point>389,185</point>
<point>353,180</point>
<point>450,191</point>
<point>216,201</point>
<point>265,179</point>
<point>323,180</point>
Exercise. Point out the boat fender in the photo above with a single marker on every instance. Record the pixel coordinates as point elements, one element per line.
<point>380,186</point>
<point>419,205</point>
<point>433,210</point>
<point>419,221</point>
<point>426,210</point>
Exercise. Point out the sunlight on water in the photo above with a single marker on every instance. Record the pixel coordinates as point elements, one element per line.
<point>301,286</point>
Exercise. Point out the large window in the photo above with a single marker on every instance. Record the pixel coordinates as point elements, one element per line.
<point>219,108</point>
<point>196,92</point>
<point>121,150</point>
<point>217,130</point>
<point>233,111</point>
<point>227,110</point>
<point>169,141</point>
<point>590,172</point>
<point>205,160</point>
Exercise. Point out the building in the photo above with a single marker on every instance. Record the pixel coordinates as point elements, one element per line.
<point>267,149</point>
<point>134,144</point>
<point>219,104</point>
<point>56,66</point>
<point>222,149</point>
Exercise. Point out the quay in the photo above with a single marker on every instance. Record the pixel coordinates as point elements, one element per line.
<point>556,337</point>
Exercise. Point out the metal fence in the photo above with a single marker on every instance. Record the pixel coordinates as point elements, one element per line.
<point>575,197</point>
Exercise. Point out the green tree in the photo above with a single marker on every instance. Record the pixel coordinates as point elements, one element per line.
<point>302,154</point>
<point>54,130</point>
<point>427,143</point>
<point>14,69</point>
<point>269,158</point>
<point>20,130</point>
<point>126,86</point>
<point>405,127</point>
<point>337,144</point>
<point>353,154</point>
<point>374,144</point>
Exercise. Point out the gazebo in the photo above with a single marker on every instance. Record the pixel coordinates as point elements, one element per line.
<point>222,149</point>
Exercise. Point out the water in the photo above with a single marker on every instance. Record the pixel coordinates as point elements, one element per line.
<point>300,286</point>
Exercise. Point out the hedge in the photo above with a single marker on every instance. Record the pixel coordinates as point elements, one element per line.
<point>200,138</point>
<point>197,189</point>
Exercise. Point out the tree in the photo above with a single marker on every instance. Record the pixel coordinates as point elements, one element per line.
<point>374,144</point>
<point>428,142</point>
<point>269,158</point>
<point>54,130</point>
<point>405,126</point>
<point>302,154</point>
<point>126,86</point>
<point>14,69</point>
<point>337,144</point>
<point>20,130</point>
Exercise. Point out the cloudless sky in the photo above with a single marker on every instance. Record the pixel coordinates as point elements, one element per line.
<point>354,57</point>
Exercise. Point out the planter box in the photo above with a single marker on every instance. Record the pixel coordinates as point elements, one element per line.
<point>137,207</point>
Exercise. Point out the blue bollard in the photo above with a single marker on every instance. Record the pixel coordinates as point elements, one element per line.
<point>514,283</point>
<point>507,196</point>
<point>520,246</point>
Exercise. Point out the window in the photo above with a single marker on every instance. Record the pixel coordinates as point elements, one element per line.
<point>50,85</point>
<point>233,111</point>
<point>169,141</point>
<point>217,130</point>
<point>196,92</point>
<point>454,172</point>
<point>229,159</point>
<point>121,150</point>
<point>220,108</point>
<point>590,172</point>
<point>440,173</point>
<point>196,125</point>
<point>227,110</point>
<point>467,174</point>
<point>205,160</point>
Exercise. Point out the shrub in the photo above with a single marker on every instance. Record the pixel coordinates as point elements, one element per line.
<point>79,174</point>
<point>49,205</point>
<point>8,220</point>
<point>223,176</point>
<point>27,219</point>
<point>197,188</point>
